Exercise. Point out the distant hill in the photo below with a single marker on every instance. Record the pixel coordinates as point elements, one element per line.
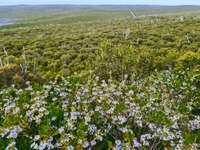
<point>27,11</point>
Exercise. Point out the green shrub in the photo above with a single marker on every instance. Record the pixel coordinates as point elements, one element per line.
<point>157,112</point>
<point>7,73</point>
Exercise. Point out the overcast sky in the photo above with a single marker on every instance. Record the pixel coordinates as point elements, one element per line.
<point>93,2</point>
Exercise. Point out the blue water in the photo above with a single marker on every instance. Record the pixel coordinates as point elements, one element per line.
<point>6,21</point>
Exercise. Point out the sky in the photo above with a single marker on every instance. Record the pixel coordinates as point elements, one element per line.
<point>101,2</point>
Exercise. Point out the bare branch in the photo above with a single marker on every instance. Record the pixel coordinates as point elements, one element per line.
<point>25,61</point>
<point>132,13</point>
<point>1,63</point>
<point>6,55</point>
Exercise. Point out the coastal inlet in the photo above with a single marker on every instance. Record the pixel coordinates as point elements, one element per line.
<point>7,21</point>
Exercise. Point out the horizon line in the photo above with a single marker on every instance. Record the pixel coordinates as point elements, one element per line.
<point>98,5</point>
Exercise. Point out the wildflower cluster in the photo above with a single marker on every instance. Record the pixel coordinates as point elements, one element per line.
<point>160,111</point>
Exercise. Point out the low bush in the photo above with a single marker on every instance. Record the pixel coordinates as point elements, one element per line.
<point>160,111</point>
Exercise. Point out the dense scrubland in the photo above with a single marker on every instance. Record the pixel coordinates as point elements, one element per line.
<point>95,77</point>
